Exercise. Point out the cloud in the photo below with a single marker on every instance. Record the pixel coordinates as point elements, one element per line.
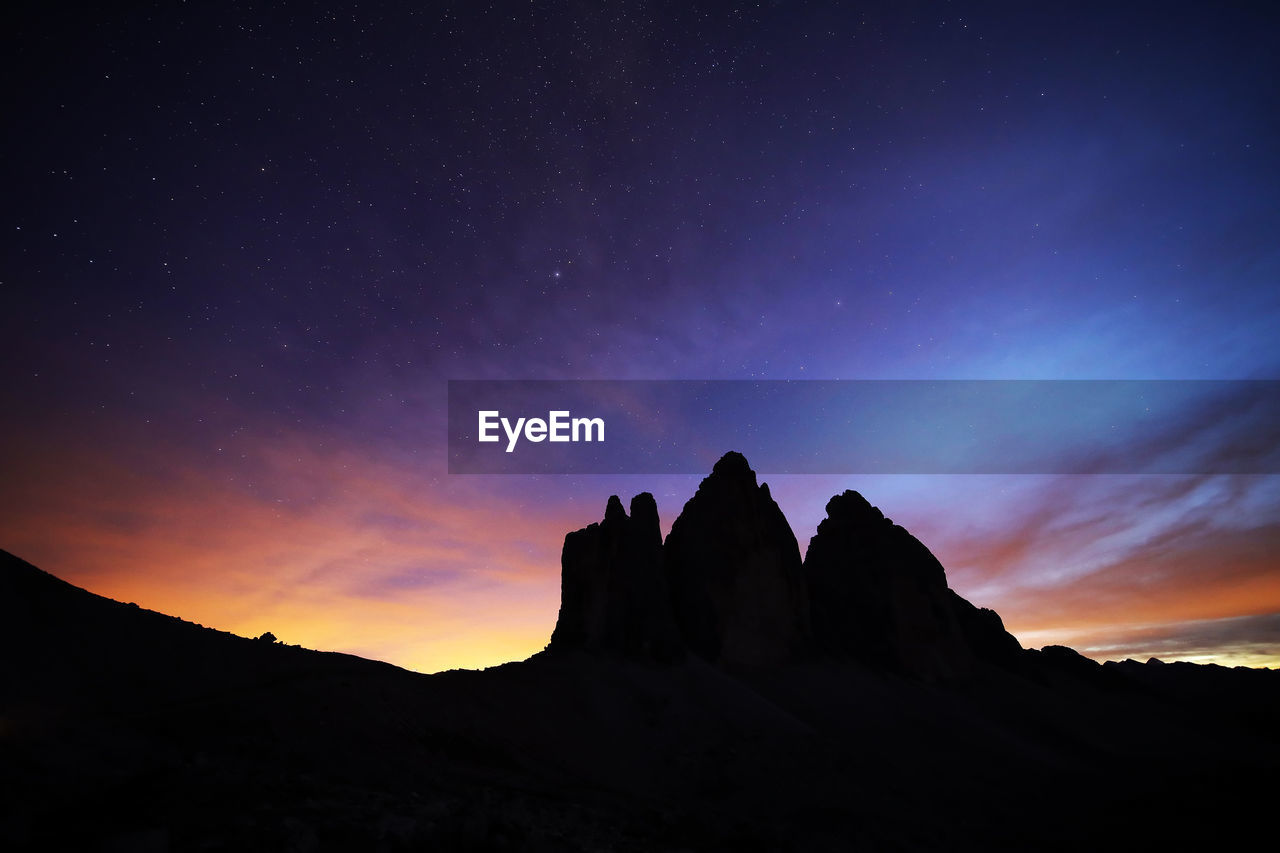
<point>329,547</point>
<point>1090,558</point>
<point>327,543</point>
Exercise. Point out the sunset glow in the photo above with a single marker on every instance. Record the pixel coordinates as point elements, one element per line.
<point>246,253</point>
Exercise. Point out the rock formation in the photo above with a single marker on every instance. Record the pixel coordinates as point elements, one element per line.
<point>734,569</point>
<point>613,594</point>
<point>879,596</point>
<point>729,586</point>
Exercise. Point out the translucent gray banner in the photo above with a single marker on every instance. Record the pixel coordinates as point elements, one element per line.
<point>865,426</point>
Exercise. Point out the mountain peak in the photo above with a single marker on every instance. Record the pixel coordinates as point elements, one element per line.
<point>733,465</point>
<point>880,596</point>
<point>613,589</point>
<point>852,508</point>
<point>734,569</point>
<point>613,511</point>
<point>729,585</point>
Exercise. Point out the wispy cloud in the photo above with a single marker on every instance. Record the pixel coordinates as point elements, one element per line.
<point>328,548</point>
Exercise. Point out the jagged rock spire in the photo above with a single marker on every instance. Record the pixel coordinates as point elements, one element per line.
<point>613,594</point>
<point>728,585</point>
<point>734,569</point>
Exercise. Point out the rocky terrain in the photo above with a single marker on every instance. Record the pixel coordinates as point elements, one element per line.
<point>711,692</point>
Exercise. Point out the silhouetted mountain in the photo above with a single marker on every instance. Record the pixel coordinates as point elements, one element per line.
<point>735,573</point>
<point>908,719</point>
<point>867,589</point>
<point>879,596</point>
<point>613,587</point>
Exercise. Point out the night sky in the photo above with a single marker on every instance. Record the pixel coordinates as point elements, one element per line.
<point>246,246</point>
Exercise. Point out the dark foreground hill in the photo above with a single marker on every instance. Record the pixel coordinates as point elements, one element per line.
<point>711,692</point>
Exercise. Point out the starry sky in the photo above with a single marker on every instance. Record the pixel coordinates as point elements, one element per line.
<point>246,246</point>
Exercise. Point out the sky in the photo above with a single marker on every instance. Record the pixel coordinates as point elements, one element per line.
<point>246,246</point>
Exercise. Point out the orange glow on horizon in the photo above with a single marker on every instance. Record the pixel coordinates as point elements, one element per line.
<point>335,550</point>
<point>372,563</point>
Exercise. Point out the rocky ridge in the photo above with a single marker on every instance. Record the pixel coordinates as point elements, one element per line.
<point>729,586</point>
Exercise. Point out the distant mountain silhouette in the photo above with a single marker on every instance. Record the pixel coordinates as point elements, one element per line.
<point>713,692</point>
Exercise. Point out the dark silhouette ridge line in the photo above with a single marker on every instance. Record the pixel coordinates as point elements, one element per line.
<point>850,721</point>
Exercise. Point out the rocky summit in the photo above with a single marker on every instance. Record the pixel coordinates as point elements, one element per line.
<point>613,592</point>
<point>881,597</point>
<point>735,573</point>
<point>729,585</point>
